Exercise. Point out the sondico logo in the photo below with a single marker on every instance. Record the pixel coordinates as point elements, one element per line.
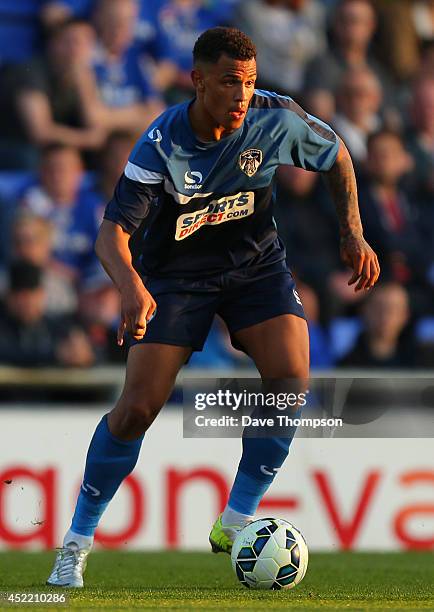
<point>229,208</point>
<point>193,180</point>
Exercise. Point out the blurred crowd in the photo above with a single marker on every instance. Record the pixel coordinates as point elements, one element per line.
<point>81,79</point>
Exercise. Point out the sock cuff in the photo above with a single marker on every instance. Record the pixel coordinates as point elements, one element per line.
<point>129,443</point>
<point>246,493</point>
<point>249,477</point>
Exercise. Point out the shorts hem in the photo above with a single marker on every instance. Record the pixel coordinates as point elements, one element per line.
<point>169,341</point>
<point>265,317</point>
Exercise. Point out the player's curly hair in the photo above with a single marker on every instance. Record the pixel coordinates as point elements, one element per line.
<point>212,43</point>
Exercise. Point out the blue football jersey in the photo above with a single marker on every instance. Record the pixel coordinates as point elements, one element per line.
<point>208,205</point>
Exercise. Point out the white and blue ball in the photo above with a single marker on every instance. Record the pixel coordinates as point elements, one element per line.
<point>270,554</point>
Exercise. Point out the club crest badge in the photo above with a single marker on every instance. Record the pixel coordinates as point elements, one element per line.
<point>250,160</point>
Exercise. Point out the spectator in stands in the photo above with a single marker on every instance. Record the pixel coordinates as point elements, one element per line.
<point>423,17</point>
<point>98,313</point>
<point>358,101</point>
<point>420,139</point>
<point>321,103</point>
<point>112,164</point>
<point>307,224</point>
<point>33,240</point>
<point>115,92</point>
<point>98,298</point>
<point>287,34</point>
<point>427,59</point>
<point>113,159</point>
<point>178,25</point>
<point>319,344</point>
<point>353,27</point>
<point>28,336</point>
<point>385,341</point>
<point>41,103</point>
<point>389,220</point>
<point>75,212</point>
<point>397,43</point>
<point>153,46</point>
<point>55,12</point>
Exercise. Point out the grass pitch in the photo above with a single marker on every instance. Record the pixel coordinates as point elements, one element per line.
<point>190,581</point>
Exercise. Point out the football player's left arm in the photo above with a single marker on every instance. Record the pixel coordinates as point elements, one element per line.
<point>355,251</point>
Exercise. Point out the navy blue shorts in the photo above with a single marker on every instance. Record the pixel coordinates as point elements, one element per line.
<point>186,308</point>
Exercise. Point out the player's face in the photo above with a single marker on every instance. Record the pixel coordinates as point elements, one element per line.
<point>225,90</point>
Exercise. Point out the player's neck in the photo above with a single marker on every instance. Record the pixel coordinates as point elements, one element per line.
<point>203,125</point>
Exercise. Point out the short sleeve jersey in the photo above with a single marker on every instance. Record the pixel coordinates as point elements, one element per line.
<point>208,205</point>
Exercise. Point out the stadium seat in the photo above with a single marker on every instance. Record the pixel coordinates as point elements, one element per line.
<point>19,30</point>
<point>343,335</point>
<point>424,329</point>
<point>12,183</point>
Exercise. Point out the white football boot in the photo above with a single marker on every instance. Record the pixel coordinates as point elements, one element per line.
<point>69,566</point>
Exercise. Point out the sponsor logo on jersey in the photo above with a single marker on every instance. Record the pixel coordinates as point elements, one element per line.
<point>193,180</point>
<point>155,135</point>
<point>228,208</point>
<point>250,160</point>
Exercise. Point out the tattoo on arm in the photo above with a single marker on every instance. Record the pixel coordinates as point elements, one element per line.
<point>341,182</point>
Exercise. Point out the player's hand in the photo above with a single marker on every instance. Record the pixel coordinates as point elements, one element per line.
<point>358,255</point>
<point>137,308</point>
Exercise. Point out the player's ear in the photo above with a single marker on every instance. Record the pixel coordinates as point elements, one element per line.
<point>197,79</point>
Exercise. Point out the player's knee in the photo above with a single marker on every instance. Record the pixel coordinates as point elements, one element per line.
<point>288,382</point>
<point>138,412</point>
<point>143,413</point>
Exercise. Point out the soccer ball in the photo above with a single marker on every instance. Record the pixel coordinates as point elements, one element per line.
<point>269,554</point>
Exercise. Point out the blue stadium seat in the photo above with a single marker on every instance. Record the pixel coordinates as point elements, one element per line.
<point>343,335</point>
<point>19,29</point>
<point>12,183</point>
<point>424,329</point>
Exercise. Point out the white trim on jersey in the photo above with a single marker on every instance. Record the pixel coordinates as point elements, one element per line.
<point>136,173</point>
<point>180,198</point>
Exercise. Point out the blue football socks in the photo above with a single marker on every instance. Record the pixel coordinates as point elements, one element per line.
<point>109,460</point>
<point>260,462</point>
